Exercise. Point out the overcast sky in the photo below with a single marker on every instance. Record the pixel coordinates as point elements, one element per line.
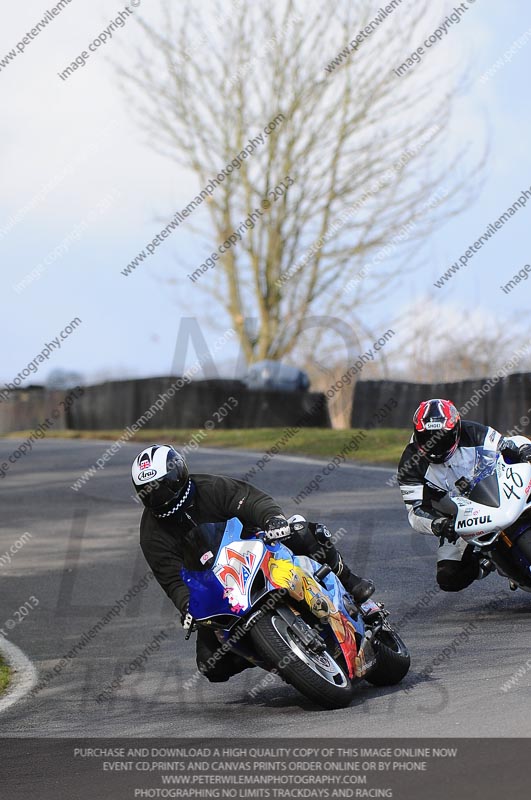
<point>72,159</point>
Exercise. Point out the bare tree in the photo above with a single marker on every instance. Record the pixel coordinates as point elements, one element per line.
<point>450,342</point>
<point>358,149</point>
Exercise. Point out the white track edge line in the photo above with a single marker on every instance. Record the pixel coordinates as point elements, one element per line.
<point>24,675</point>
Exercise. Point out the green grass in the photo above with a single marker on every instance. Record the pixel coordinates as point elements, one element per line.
<point>5,676</point>
<point>380,446</point>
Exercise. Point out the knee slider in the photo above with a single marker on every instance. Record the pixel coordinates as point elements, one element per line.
<point>452,576</point>
<point>216,677</point>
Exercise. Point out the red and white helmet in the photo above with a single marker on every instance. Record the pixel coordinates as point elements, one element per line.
<point>437,430</point>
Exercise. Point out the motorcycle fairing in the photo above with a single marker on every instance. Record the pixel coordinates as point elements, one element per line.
<point>226,588</point>
<point>499,531</point>
<point>474,520</point>
<point>295,574</point>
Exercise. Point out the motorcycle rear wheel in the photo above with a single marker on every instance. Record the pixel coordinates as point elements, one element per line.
<point>392,660</point>
<point>317,676</point>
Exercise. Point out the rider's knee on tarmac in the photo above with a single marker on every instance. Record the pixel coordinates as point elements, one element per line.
<point>214,677</point>
<point>453,576</point>
<point>218,670</point>
<point>223,669</point>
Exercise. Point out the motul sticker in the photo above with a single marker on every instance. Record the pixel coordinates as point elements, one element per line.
<point>474,522</point>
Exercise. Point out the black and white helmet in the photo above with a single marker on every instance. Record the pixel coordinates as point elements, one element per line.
<point>161,479</point>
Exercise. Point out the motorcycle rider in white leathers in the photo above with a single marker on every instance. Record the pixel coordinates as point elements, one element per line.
<point>441,454</point>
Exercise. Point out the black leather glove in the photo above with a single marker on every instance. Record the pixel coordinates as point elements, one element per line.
<point>322,533</point>
<point>276,528</point>
<point>444,528</point>
<point>509,450</point>
<point>524,452</point>
<point>186,617</point>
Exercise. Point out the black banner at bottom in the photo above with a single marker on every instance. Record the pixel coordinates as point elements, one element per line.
<point>126,769</point>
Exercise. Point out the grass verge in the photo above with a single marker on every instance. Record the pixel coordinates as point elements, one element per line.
<point>379,446</point>
<point>5,676</point>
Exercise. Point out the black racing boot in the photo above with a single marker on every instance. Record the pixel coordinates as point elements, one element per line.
<point>360,588</point>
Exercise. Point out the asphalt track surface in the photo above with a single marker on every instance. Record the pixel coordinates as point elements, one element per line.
<point>84,554</point>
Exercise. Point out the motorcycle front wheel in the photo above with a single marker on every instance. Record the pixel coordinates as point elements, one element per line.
<point>317,676</point>
<point>524,544</point>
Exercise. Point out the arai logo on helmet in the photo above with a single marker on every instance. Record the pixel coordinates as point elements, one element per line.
<point>147,474</point>
<point>434,426</point>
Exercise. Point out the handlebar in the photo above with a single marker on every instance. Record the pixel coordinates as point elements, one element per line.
<point>322,572</point>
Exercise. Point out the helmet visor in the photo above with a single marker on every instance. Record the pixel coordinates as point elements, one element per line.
<point>156,495</point>
<point>437,445</point>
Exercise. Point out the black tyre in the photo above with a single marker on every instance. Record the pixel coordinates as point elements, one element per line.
<point>524,544</point>
<point>507,562</point>
<point>392,660</point>
<point>317,676</point>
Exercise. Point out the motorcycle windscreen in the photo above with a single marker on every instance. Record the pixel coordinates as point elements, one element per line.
<point>487,492</point>
<point>201,544</point>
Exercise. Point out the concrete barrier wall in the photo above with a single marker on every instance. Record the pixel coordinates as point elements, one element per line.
<point>27,409</point>
<point>119,404</point>
<point>504,404</point>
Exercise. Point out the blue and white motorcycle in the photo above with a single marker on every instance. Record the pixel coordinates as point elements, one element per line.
<point>290,614</point>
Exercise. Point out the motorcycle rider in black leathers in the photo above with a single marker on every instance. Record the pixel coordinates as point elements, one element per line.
<point>177,502</point>
<point>440,454</point>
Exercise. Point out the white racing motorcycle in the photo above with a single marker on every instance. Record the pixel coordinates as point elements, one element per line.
<point>493,513</point>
